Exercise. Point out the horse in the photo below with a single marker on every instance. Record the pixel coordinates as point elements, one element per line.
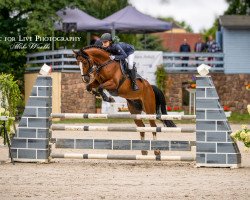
<point>107,74</point>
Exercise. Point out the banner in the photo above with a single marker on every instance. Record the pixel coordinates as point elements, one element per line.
<point>146,64</point>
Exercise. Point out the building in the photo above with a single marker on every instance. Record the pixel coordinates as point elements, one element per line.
<point>235,30</point>
<point>231,81</point>
<point>230,78</point>
<point>173,38</point>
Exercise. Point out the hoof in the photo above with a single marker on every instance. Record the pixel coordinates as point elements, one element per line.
<point>111,100</point>
<point>157,152</point>
<point>88,88</point>
<point>144,153</point>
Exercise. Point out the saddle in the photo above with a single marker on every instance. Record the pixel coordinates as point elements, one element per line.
<point>124,69</point>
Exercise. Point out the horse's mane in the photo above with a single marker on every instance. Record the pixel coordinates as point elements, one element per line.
<point>95,46</point>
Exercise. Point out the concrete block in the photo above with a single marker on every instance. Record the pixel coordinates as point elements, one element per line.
<point>34,91</point>
<point>141,145</point>
<point>211,93</point>
<point>204,82</point>
<point>200,92</point>
<point>18,143</point>
<point>233,158</point>
<point>200,136</point>
<point>42,154</point>
<point>39,102</point>
<point>42,133</point>
<point>200,114</point>
<point>122,144</point>
<point>44,91</point>
<point>216,136</point>
<point>202,147</point>
<point>103,144</point>
<point>223,126</point>
<point>180,146</point>
<point>38,122</point>
<point>26,133</point>
<point>205,125</point>
<point>216,115</point>
<point>201,158</point>
<point>65,143</point>
<point>44,112</point>
<point>30,112</point>
<point>23,122</point>
<point>84,143</point>
<point>216,159</point>
<point>226,148</point>
<point>27,153</point>
<point>207,103</point>
<point>43,81</point>
<point>38,144</point>
<point>159,145</point>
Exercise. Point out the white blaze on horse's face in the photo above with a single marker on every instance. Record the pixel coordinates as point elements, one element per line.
<point>80,65</point>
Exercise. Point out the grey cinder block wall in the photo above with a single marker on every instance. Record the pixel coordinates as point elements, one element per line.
<point>214,145</point>
<point>31,142</point>
<point>213,142</point>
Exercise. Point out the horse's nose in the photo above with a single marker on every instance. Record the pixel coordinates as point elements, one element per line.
<point>86,79</point>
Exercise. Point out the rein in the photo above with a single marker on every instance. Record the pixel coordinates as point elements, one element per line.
<point>99,67</point>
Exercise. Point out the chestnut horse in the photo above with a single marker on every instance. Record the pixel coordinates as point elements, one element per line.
<point>95,61</point>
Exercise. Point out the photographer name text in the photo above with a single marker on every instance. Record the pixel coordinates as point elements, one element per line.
<point>36,42</point>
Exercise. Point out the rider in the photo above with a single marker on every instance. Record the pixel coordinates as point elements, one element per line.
<point>121,51</point>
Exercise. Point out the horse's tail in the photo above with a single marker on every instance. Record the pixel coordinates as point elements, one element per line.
<point>161,106</point>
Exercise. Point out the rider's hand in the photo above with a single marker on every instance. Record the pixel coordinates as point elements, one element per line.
<point>112,57</point>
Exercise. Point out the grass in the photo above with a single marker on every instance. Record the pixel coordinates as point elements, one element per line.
<point>235,118</point>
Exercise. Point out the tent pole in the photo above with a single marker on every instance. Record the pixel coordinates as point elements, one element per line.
<point>145,41</point>
<point>113,32</point>
<point>88,38</point>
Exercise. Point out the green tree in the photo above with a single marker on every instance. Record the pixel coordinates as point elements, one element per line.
<point>238,7</point>
<point>102,8</point>
<point>23,18</point>
<point>210,31</point>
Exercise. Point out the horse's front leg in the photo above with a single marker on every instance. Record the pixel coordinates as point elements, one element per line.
<point>108,85</point>
<point>104,96</point>
<point>93,84</point>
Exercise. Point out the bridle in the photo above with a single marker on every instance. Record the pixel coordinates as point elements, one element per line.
<point>91,64</point>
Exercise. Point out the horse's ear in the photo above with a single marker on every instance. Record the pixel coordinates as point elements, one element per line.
<point>82,51</point>
<point>75,52</point>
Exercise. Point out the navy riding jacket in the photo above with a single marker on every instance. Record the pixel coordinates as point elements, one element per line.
<point>121,50</point>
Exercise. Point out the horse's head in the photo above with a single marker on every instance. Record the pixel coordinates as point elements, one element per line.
<point>85,63</point>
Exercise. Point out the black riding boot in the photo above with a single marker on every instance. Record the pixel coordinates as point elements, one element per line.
<point>132,76</point>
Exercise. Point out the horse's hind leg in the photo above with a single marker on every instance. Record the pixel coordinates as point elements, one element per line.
<point>138,122</point>
<point>149,107</point>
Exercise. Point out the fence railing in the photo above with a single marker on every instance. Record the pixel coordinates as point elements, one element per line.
<point>174,61</point>
<point>59,59</point>
<point>64,60</point>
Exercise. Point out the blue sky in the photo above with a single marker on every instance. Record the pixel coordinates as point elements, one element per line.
<point>198,13</point>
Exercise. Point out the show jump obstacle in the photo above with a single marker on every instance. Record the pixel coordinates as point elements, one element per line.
<point>214,146</point>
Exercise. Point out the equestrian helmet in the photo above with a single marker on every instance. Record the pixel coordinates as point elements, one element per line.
<point>106,37</point>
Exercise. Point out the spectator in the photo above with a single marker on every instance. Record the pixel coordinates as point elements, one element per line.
<point>185,47</point>
<point>95,40</point>
<point>199,46</point>
<point>212,47</point>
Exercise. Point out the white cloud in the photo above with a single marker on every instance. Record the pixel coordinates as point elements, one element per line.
<point>198,13</point>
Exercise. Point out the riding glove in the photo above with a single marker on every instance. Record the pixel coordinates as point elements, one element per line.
<point>112,57</point>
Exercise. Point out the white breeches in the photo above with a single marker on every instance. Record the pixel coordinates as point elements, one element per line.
<point>130,60</point>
